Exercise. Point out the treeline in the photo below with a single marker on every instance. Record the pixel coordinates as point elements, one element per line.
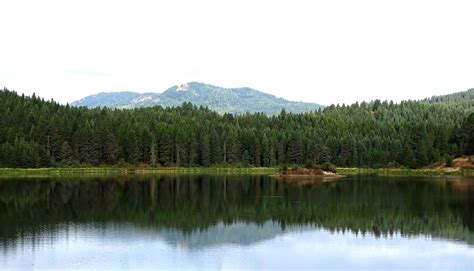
<point>38,133</point>
<point>465,98</point>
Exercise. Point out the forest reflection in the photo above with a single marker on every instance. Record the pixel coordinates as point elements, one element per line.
<point>205,210</point>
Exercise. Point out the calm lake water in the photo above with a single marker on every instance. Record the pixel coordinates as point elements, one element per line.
<point>237,222</point>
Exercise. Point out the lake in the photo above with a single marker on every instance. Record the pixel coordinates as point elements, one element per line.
<point>237,222</point>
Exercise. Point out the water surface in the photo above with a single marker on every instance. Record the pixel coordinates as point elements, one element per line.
<point>237,222</point>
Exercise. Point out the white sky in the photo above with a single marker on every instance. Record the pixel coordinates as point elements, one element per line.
<point>319,51</point>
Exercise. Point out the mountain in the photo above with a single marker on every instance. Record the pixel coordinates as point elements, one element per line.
<point>222,100</point>
<point>236,233</point>
<point>109,99</point>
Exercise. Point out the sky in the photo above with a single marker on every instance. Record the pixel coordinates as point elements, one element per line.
<point>315,51</point>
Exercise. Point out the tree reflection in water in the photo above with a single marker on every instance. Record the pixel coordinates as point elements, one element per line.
<point>239,209</point>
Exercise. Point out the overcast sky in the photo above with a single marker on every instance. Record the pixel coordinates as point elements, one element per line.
<point>318,51</point>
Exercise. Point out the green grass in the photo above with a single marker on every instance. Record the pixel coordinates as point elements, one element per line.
<point>116,171</point>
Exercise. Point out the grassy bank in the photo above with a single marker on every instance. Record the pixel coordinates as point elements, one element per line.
<point>115,171</point>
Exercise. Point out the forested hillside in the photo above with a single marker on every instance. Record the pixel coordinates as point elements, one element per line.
<point>221,100</point>
<point>35,133</point>
<point>465,97</point>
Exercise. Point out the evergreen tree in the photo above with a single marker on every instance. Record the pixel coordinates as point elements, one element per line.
<point>204,149</point>
<point>65,153</point>
<point>216,155</point>
<point>110,149</point>
<point>295,150</point>
<point>466,134</point>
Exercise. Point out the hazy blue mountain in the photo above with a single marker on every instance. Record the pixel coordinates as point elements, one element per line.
<point>109,99</point>
<point>222,100</point>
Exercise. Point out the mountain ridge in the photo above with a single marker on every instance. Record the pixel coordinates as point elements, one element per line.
<point>223,100</point>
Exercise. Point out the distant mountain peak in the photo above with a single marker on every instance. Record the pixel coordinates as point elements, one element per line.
<point>183,88</point>
<point>223,100</point>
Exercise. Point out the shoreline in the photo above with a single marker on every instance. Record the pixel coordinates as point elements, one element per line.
<point>461,172</point>
<point>117,171</point>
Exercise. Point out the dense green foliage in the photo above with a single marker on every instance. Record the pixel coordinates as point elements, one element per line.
<point>464,97</point>
<point>38,133</point>
<point>466,135</point>
<point>195,204</point>
<point>221,100</point>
